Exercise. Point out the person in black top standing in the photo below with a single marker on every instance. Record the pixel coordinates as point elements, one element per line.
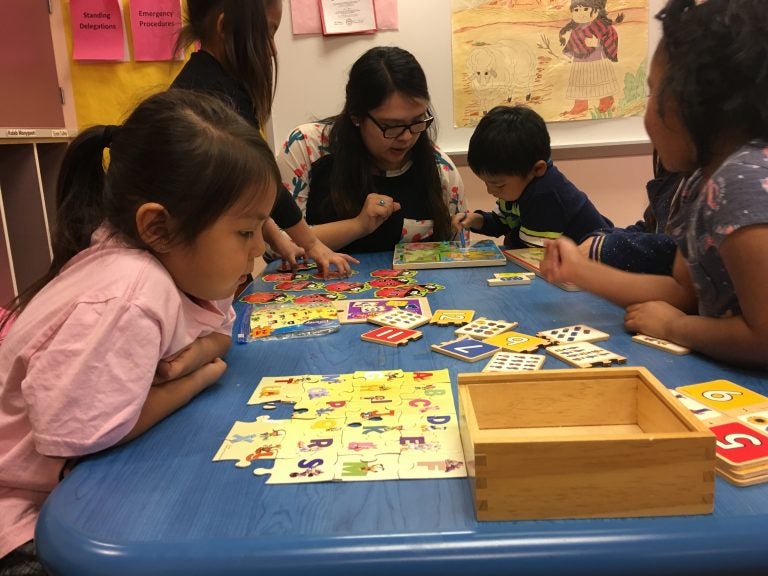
<point>237,61</point>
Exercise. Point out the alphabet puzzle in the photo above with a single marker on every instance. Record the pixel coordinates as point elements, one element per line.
<point>377,425</point>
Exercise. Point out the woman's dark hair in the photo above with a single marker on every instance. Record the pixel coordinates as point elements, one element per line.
<point>508,140</point>
<point>251,56</point>
<point>375,76</point>
<point>716,56</point>
<point>182,149</point>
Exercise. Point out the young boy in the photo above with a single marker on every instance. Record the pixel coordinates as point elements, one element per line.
<point>509,151</point>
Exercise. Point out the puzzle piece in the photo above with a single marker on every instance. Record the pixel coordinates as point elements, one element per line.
<point>247,442</point>
<point>454,317</point>
<point>390,336</point>
<point>512,362</point>
<point>510,278</point>
<point>358,310</point>
<point>466,348</point>
<point>481,328</point>
<point>585,355</point>
<point>660,344</point>
<point>398,319</point>
<point>516,342</point>
<point>575,333</point>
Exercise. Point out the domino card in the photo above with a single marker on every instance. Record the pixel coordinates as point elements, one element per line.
<point>585,355</point>
<point>660,344</point>
<point>512,362</point>
<point>398,319</point>
<point>575,333</point>
<point>483,328</point>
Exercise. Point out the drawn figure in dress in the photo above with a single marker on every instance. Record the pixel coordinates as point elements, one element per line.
<point>593,44</point>
<point>501,70</point>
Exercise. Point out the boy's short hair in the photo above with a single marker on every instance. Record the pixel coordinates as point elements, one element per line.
<point>508,140</point>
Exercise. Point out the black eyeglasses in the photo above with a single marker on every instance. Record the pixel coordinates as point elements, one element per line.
<point>396,131</point>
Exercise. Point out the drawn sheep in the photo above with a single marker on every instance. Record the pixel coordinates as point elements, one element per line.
<point>500,69</point>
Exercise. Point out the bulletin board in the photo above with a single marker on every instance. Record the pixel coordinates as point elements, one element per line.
<point>106,92</point>
<point>314,69</point>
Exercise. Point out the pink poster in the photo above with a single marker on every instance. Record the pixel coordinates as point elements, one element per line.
<point>155,24</point>
<point>97,30</point>
<point>305,16</point>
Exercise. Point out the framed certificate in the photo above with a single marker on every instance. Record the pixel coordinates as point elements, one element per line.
<point>347,16</point>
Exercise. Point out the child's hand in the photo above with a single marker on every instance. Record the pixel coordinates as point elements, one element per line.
<point>327,260</point>
<point>464,220</point>
<point>289,251</point>
<point>562,260</point>
<point>376,210</point>
<point>652,318</point>
<point>201,352</point>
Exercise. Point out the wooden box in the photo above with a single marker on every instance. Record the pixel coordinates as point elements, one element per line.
<point>582,443</point>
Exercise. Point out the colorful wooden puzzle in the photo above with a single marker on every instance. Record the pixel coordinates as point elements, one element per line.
<point>738,417</point>
<point>660,344</point>
<point>398,319</point>
<point>360,426</point>
<point>481,328</point>
<point>513,362</point>
<point>530,259</point>
<point>447,254</point>
<point>466,348</point>
<point>390,336</point>
<point>358,310</point>
<point>452,317</point>
<point>517,342</point>
<point>585,355</point>
<point>576,333</point>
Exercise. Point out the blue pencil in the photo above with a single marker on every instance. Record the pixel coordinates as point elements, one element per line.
<point>461,231</point>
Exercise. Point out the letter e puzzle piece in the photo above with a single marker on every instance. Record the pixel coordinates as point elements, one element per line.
<point>398,319</point>
<point>664,345</point>
<point>452,317</point>
<point>516,342</point>
<point>390,336</point>
<point>466,348</point>
<point>575,333</point>
<point>585,355</point>
<point>512,362</point>
<point>481,328</point>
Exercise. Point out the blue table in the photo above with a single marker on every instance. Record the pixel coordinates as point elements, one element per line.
<point>159,505</point>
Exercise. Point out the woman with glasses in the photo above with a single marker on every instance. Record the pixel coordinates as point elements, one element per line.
<point>372,176</point>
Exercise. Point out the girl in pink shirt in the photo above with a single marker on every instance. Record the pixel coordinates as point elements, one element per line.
<point>131,320</point>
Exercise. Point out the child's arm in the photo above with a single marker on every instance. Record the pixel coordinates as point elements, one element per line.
<point>563,262</point>
<point>164,399</point>
<point>202,351</point>
<point>741,339</point>
<point>313,248</point>
<point>376,210</point>
<point>281,243</point>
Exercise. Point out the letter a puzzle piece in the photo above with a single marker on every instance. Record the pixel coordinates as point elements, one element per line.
<point>466,348</point>
<point>390,336</point>
<point>454,317</point>
<point>570,334</point>
<point>481,328</point>
<point>398,319</point>
<point>665,345</point>
<point>511,362</point>
<point>584,355</point>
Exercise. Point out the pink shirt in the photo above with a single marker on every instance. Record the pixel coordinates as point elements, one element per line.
<point>77,365</point>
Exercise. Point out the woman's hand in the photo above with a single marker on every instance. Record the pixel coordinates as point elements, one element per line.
<point>376,210</point>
